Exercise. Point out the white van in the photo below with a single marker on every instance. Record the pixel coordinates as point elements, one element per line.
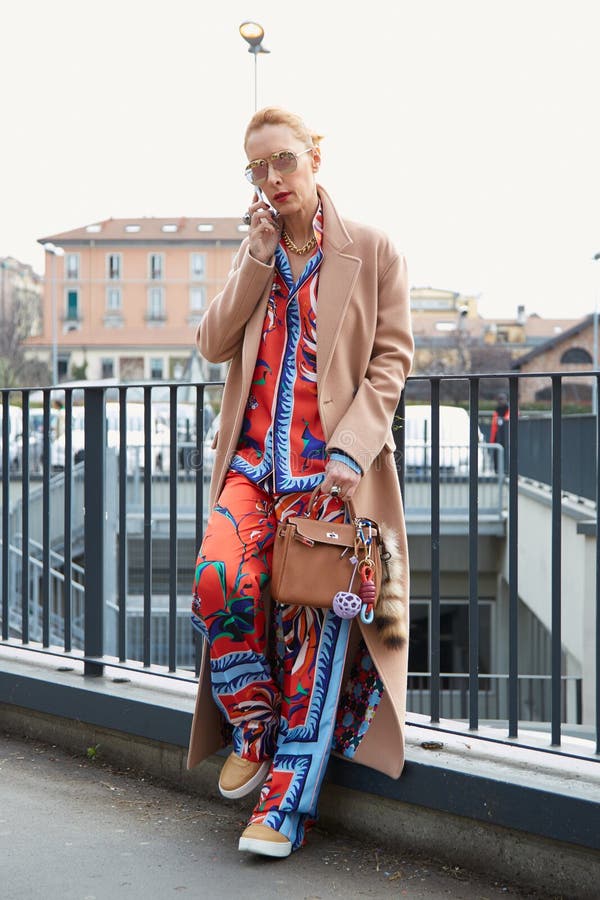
<point>135,436</point>
<point>455,431</point>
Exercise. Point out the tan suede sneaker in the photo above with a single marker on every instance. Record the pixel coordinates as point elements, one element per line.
<point>240,776</point>
<point>265,840</point>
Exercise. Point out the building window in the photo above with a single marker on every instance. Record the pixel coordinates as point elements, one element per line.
<point>198,266</point>
<point>197,298</point>
<point>113,265</point>
<point>113,299</point>
<point>156,303</point>
<point>156,368</point>
<point>72,312</point>
<point>156,266</point>
<point>576,355</point>
<point>107,368</point>
<point>62,367</point>
<point>72,266</point>
<point>454,637</point>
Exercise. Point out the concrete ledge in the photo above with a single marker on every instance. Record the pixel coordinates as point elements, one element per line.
<point>519,813</point>
<point>522,858</point>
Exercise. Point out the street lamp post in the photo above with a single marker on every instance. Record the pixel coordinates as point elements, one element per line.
<point>253,33</point>
<point>55,251</point>
<point>595,339</point>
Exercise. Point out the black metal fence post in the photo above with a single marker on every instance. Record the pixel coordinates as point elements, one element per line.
<point>173,555</point>
<point>46,600</point>
<point>474,554</point>
<point>556,557</point>
<point>122,558</point>
<point>68,515</point>
<point>95,442</point>
<point>513,561</point>
<point>597,566</point>
<point>5,510</point>
<point>25,520</point>
<point>434,630</point>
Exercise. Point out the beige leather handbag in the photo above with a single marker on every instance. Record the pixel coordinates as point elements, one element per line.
<point>325,564</point>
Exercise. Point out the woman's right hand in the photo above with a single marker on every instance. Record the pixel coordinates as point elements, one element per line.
<point>264,231</point>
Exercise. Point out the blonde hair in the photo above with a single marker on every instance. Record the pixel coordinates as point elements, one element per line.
<point>275,115</point>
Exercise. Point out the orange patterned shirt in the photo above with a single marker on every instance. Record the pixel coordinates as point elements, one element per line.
<point>282,441</point>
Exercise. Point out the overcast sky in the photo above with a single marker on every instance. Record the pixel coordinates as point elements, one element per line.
<point>468,129</point>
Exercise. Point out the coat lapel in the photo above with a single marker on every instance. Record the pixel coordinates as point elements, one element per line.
<point>339,271</point>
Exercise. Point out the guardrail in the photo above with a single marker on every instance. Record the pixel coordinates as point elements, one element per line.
<point>30,575</point>
<point>534,696</point>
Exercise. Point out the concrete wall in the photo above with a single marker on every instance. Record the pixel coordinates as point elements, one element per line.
<point>578,574</point>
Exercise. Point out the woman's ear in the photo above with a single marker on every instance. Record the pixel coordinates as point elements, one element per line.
<point>316,159</point>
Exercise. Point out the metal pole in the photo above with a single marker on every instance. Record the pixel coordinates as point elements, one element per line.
<point>93,536</point>
<point>596,258</point>
<point>54,328</point>
<point>3,307</point>
<point>596,353</point>
<point>255,81</point>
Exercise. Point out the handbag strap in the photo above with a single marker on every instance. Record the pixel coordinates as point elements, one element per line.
<point>313,500</point>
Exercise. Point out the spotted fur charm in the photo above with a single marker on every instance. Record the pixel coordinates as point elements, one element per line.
<point>391,620</point>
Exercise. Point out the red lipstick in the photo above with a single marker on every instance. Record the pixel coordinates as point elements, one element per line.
<point>281,196</point>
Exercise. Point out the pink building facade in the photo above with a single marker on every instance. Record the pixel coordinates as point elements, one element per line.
<point>125,298</point>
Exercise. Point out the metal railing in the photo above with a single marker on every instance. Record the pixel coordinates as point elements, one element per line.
<point>534,694</point>
<point>122,504</point>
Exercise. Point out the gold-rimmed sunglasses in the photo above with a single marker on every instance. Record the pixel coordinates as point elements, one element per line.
<point>284,161</point>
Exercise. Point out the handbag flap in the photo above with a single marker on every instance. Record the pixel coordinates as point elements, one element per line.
<point>320,532</point>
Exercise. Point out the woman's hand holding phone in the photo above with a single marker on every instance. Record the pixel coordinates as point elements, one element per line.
<point>265,228</point>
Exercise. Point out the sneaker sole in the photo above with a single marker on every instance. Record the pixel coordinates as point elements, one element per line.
<point>265,848</point>
<point>249,786</point>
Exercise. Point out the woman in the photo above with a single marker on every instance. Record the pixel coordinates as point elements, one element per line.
<point>315,320</point>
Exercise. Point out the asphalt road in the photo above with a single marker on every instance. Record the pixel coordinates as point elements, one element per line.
<point>78,829</point>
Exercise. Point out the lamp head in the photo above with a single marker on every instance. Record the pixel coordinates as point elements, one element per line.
<point>253,33</point>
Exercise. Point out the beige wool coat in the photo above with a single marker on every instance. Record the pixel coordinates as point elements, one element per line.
<point>364,354</point>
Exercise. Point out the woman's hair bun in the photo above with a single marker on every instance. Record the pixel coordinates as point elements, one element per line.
<point>276,115</point>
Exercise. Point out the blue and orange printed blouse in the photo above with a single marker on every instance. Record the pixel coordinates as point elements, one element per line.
<point>282,441</point>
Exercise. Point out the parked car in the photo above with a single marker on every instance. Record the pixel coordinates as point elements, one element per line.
<point>209,446</point>
<point>35,441</point>
<point>135,437</point>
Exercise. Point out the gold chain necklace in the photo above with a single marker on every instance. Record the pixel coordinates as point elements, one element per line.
<point>311,242</point>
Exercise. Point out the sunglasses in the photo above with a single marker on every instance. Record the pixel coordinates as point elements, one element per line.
<point>284,161</point>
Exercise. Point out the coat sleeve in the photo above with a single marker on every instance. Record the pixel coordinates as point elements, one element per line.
<point>221,331</point>
<point>364,428</point>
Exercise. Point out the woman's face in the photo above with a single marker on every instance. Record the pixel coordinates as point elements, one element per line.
<point>288,194</point>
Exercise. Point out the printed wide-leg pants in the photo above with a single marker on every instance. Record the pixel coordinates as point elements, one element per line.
<point>281,698</point>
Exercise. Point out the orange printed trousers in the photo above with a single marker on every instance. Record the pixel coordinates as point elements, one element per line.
<point>277,686</point>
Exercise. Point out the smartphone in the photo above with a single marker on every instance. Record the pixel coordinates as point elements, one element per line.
<point>262,196</point>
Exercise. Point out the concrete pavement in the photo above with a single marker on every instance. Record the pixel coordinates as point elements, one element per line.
<point>73,828</point>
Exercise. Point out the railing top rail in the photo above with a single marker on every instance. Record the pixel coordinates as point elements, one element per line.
<point>471,376</point>
<point>447,376</point>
